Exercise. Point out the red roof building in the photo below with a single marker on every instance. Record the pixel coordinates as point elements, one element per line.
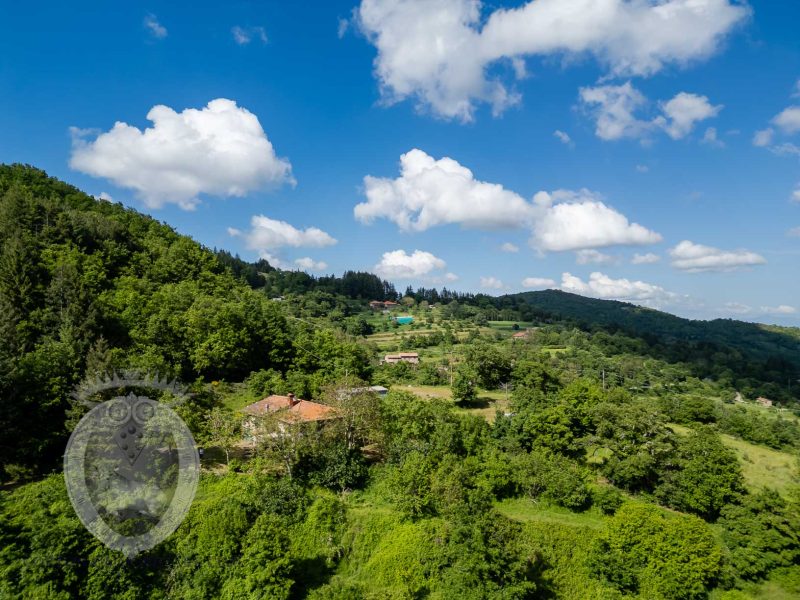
<point>291,409</point>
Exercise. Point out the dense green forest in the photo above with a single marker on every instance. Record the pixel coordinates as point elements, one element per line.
<point>604,451</point>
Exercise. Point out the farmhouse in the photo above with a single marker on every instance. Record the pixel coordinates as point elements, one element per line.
<point>409,357</point>
<point>766,402</point>
<point>376,305</point>
<point>288,411</point>
<point>521,335</point>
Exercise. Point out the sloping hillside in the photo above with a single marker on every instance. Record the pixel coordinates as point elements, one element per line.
<point>718,348</point>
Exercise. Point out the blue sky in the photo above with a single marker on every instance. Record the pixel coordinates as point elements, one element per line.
<point>658,109</point>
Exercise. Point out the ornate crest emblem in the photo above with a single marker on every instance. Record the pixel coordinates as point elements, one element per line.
<point>131,465</point>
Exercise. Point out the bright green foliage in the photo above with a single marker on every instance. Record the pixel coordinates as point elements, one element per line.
<point>565,562</point>
<point>42,543</point>
<point>631,444</point>
<point>607,498</point>
<point>555,478</point>
<point>707,476</point>
<point>410,483</point>
<point>429,426</point>
<point>264,570</point>
<point>457,489</point>
<point>224,428</point>
<point>465,384</point>
<point>491,365</point>
<point>204,550</point>
<point>484,557</point>
<point>396,498</point>
<point>331,464</point>
<point>660,556</point>
<point>111,575</point>
<point>762,533</point>
<point>532,381</point>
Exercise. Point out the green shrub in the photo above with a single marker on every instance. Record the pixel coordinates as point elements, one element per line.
<point>608,499</point>
<point>658,555</point>
<point>555,478</point>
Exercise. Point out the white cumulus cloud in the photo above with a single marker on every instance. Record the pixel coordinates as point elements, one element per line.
<point>788,120</point>
<point>593,257</point>
<point>563,137</point>
<point>439,52</point>
<point>491,283</point>
<point>683,112</point>
<point>245,35</point>
<point>710,138</point>
<point>695,258</point>
<point>309,264</point>
<point>738,308</point>
<point>645,259</point>
<point>602,286</point>
<point>538,282</point>
<point>763,137</point>
<point>156,29</point>
<point>220,150</point>
<point>580,220</point>
<point>270,234</point>
<point>615,110</point>
<point>782,309</point>
<point>398,264</point>
<point>432,192</point>
<point>509,247</point>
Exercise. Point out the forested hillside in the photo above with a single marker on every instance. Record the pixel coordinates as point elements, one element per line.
<point>90,286</point>
<point>537,446</point>
<point>723,348</point>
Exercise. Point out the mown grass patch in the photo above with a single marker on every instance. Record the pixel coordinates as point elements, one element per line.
<point>761,466</point>
<point>486,406</point>
<point>526,510</point>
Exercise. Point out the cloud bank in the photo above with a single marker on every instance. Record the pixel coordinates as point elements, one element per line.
<point>440,53</point>
<point>696,258</point>
<point>431,192</point>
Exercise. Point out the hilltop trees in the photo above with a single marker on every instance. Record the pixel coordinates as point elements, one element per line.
<point>706,476</point>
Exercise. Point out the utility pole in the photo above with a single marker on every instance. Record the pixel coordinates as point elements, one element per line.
<point>604,380</point>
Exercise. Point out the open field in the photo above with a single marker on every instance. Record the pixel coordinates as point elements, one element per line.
<point>526,510</point>
<point>509,325</point>
<point>489,401</point>
<point>761,466</point>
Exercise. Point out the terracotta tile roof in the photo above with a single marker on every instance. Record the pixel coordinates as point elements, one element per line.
<point>301,410</point>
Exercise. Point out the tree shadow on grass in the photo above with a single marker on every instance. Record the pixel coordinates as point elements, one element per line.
<point>482,402</point>
<point>309,574</point>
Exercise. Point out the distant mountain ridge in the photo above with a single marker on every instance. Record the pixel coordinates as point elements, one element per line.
<point>776,348</point>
